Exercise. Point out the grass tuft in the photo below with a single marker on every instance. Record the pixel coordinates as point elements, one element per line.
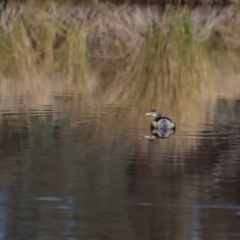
<point>172,62</point>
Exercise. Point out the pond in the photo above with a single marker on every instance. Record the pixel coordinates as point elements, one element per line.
<point>86,171</point>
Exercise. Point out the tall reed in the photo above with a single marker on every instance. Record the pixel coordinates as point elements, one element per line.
<point>43,46</point>
<point>172,62</point>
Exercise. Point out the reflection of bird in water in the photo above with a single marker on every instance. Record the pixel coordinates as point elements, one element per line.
<point>161,127</point>
<point>160,133</point>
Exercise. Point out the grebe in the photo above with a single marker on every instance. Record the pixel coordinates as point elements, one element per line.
<point>161,122</point>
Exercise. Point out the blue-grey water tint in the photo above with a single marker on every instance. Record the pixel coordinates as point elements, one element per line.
<point>74,173</point>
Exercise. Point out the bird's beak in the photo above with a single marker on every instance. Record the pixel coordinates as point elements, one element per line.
<point>149,113</point>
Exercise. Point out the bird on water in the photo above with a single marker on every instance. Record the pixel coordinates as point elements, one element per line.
<point>160,122</point>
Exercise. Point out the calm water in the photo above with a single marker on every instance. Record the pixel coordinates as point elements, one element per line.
<point>74,172</point>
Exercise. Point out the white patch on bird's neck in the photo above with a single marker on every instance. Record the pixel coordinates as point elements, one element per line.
<point>154,123</point>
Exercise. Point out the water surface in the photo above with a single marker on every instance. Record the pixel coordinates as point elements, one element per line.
<point>71,171</point>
